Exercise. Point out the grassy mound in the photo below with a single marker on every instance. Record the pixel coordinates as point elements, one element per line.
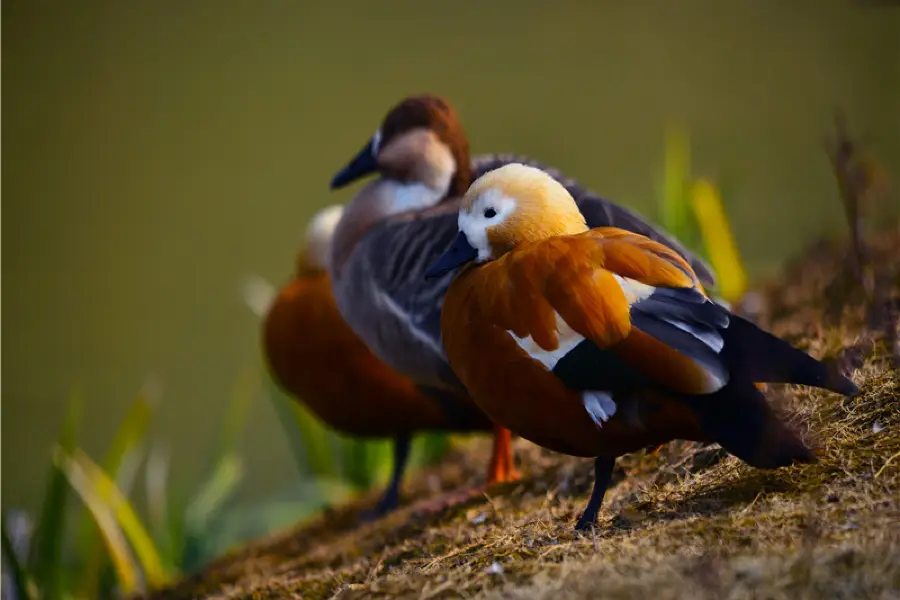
<point>687,521</point>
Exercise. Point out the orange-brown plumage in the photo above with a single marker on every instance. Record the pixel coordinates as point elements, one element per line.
<point>602,342</point>
<point>317,358</point>
<point>571,276</point>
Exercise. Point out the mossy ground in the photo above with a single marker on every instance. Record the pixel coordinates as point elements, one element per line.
<point>686,522</point>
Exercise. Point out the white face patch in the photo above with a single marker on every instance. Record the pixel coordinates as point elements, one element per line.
<point>567,339</point>
<point>488,210</point>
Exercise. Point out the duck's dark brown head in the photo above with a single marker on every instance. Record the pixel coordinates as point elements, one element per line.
<point>420,143</point>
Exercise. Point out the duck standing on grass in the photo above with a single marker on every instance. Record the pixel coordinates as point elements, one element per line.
<point>600,342</point>
<point>315,357</point>
<point>399,223</point>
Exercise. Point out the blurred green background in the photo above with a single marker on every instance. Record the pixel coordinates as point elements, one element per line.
<point>156,153</point>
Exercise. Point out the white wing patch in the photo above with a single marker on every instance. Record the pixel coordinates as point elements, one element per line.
<point>568,338</point>
<point>599,405</point>
<point>634,290</point>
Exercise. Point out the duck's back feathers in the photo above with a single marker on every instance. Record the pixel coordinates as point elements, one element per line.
<point>599,212</point>
<point>382,290</point>
<point>597,292</point>
<point>614,308</point>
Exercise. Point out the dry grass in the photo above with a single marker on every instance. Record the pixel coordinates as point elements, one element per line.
<point>685,522</point>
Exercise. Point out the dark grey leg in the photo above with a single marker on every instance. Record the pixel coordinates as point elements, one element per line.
<point>603,468</point>
<point>391,498</point>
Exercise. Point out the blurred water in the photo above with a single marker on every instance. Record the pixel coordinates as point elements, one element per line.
<point>157,153</point>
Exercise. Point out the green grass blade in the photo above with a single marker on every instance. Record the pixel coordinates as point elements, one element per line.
<point>103,489</point>
<point>133,429</point>
<point>19,574</point>
<point>258,295</point>
<point>287,418</point>
<point>214,493</point>
<point>95,568</point>
<point>46,550</point>
<point>156,485</point>
<point>353,464</point>
<point>120,458</point>
<point>239,524</point>
<point>203,513</point>
<point>315,437</point>
<point>676,170</point>
<point>719,239</point>
<point>307,437</point>
<point>236,413</point>
<point>379,460</point>
<point>429,449</point>
<point>364,462</point>
<point>674,202</point>
<point>117,547</point>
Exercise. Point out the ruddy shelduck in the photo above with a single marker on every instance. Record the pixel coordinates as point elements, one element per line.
<point>600,342</point>
<point>405,218</point>
<point>315,357</point>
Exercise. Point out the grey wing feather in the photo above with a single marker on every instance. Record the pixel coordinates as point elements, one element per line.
<point>600,212</point>
<point>398,252</point>
<point>687,321</point>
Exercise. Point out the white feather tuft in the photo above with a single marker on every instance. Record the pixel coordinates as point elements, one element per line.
<point>258,294</point>
<point>599,405</point>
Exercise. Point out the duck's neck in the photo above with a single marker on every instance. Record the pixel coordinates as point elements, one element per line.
<point>378,200</point>
<point>308,263</point>
<point>446,173</point>
<point>462,176</point>
<point>385,197</point>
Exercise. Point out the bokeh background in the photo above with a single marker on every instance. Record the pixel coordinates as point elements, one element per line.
<point>157,153</point>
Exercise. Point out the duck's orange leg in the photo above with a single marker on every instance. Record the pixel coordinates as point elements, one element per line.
<point>502,468</point>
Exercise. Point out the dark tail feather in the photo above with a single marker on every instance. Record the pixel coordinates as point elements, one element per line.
<point>741,421</point>
<point>758,355</point>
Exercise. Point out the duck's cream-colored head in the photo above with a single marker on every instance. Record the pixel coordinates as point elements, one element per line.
<point>506,207</point>
<point>319,234</point>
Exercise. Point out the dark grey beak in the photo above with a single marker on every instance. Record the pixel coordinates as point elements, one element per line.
<point>363,164</point>
<point>459,253</point>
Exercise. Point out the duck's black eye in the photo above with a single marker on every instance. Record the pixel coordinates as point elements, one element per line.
<point>490,213</point>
